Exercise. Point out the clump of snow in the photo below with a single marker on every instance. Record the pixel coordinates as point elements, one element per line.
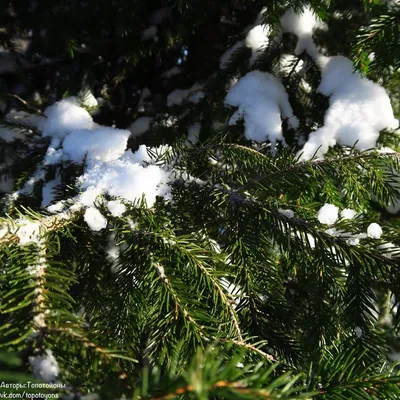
<point>124,178</point>
<point>302,25</point>
<point>287,213</point>
<point>256,40</point>
<point>261,99</point>
<point>45,367</point>
<point>103,143</point>
<point>374,231</point>
<point>348,213</point>
<point>359,109</point>
<point>64,117</point>
<point>95,219</point>
<point>140,126</point>
<point>328,214</point>
<point>116,208</point>
<point>27,232</point>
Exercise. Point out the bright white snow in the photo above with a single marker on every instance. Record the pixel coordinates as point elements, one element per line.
<point>64,117</point>
<point>348,213</point>
<point>374,231</point>
<point>328,214</point>
<point>359,108</point>
<point>262,100</point>
<point>95,219</point>
<point>45,367</point>
<point>302,25</point>
<point>116,208</point>
<point>257,40</point>
<point>102,143</point>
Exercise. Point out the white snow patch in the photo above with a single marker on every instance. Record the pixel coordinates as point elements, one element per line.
<point>64,117</point>
<point>27,231</point>
<point>359,109</point>
<point>302,25</point>
<point>261,99</point>
<point>257,40</point>
<point>328,214</point>
<point>124,178</point>
<point>103,144</point>
<point>95,219</point>
<point>374,231</point>
<point>45,367</point>
<point>116,208</point>
<point>348,213</point>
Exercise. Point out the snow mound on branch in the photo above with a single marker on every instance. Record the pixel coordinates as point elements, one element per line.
<point>359,109</point>
<point>374,231</point>
<point>124,178</point>
<point>64,117</point>
<point>302,25</point>
<point>116,208</point>
<point>103,143</point>
<point>262,100</point>
<point>45,367</point>
<point>109,167</point>
<point>328,214</point>
<point>348,213</point>
<point>94,218</point>
<point>256,40</point>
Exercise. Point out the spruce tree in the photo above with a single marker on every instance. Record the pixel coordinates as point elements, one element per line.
<point>200,199</point>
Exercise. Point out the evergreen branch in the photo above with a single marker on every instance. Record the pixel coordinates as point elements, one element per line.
<point>250,347</point>
<point>179,307</point>
<point>9,227</point>
<point>25,103</point>
<point>39,270</point>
